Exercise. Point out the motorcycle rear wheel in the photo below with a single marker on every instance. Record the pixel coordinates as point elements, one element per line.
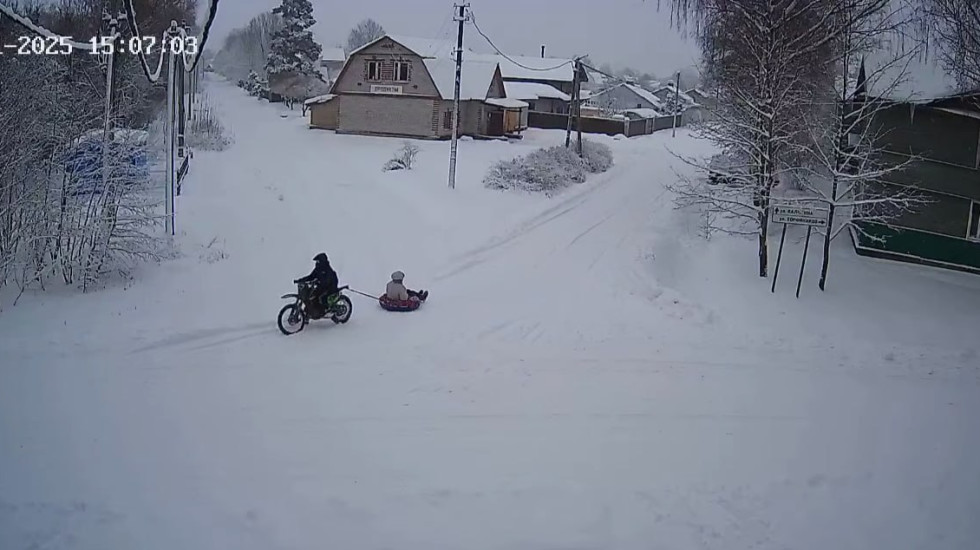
<point>342,310</point>
<point>292,319</point>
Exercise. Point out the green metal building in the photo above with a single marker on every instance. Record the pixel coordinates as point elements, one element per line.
<point>944,133</point>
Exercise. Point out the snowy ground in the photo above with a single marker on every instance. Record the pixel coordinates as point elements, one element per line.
<point>587,373</point>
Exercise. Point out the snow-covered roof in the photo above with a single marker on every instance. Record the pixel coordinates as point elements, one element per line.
<point>908,79</point>
<point>507,103</point>
<point>474,81</point>
<point>648,96</point>
<point>597,77</point>
<point>427,47</point>
<point>644,113</point>
<point>319,99</point>
<point>424,47</point>
<point>534,68</point>
<point>534,90</point>
<point>670,88</point>
<point>644,94</point>
<point>333,54</point>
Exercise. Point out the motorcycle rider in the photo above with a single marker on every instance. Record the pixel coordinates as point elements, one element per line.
<point>325,277</point>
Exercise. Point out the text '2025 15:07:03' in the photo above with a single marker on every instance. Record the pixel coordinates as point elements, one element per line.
<point>102,45</point>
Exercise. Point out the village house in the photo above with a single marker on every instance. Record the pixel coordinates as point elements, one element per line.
<point>706,103</point>
<point>540,97</point>
<point>701,97</point>
<point>403,86</point>
<point>943,134</point>
<point>689,108</point>
<point>621,97</point>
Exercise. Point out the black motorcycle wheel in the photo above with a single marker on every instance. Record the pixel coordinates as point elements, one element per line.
<point>342,310</point>
<point>291,319</point>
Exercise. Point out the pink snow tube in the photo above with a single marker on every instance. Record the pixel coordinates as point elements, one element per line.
<point>399,305</point>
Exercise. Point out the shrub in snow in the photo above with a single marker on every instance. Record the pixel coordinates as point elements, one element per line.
<point>549,170</point>
<point>404,158</point>
<point>598,157</point>
<point>205,130</point>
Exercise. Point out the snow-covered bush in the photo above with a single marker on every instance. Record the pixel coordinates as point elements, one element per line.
<point>404,158</point>
<point>204,130</point>
<point>598,157</point>
<point>549,170</point>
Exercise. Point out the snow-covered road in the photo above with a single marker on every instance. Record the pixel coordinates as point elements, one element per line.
<point>586,375</point>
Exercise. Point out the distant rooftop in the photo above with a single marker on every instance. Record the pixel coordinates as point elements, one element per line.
<point>534,90</point>
<point>333,54</point>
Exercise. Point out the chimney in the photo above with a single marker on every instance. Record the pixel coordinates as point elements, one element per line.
<point>542,51</point>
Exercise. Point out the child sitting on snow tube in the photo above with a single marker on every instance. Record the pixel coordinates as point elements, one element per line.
<point>399,298</point>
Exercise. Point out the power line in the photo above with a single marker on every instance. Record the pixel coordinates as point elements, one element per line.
<point>212,13</point>
<point>505,56</point>
<point>134,26</point>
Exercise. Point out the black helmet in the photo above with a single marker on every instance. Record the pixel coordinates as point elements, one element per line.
<point>321,257</point>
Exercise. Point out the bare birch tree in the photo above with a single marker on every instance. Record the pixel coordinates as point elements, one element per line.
<point>769,62</point>
<point>363,33</point>
<point>846,167</point>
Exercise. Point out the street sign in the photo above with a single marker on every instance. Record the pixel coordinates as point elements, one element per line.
<point>799,215</point>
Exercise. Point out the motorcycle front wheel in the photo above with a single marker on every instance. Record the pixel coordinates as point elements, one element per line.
<point>292,319</point>
<point>342,310</point>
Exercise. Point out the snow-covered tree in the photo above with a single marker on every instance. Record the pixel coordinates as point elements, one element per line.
<point>74,205</point>
<point>844,163</point>
<point>293,49</point>
<point>363,33</point>
<point>247,49</point>
<point>768,62</point>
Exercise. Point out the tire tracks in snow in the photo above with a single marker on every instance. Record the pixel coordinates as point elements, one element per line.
<point>596,236</point>
<point>481,254</point>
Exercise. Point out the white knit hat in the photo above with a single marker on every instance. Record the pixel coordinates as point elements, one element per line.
<point>398,276</point>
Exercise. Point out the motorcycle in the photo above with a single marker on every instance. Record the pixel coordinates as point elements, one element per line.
<point>305,308</point>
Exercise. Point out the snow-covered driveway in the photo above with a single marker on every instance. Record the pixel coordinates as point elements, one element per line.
<point>586,374</point>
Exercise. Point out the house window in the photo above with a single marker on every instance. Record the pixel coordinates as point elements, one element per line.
<point>974,231</point>
<point>374,70</point>
<point>403,71</point>
<point>447,120</point>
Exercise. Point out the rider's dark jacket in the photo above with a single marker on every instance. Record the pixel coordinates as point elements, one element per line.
<point>325,277</point>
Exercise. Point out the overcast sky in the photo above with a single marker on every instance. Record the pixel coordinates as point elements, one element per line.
<point>622,32</point>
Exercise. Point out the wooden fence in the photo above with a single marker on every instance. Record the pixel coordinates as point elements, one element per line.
<point>599,125</point>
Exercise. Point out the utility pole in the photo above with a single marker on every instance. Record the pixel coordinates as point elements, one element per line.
<point>170,132</point>
<point>571,105</point>
<point>181,99</point>
<point>677,105</point>
<point>578,103</point>
<point>459,17</point>
<point>108,137</point>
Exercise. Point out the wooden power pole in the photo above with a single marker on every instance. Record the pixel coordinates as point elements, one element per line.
<point>461,18</point>
<point>571,106</point>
